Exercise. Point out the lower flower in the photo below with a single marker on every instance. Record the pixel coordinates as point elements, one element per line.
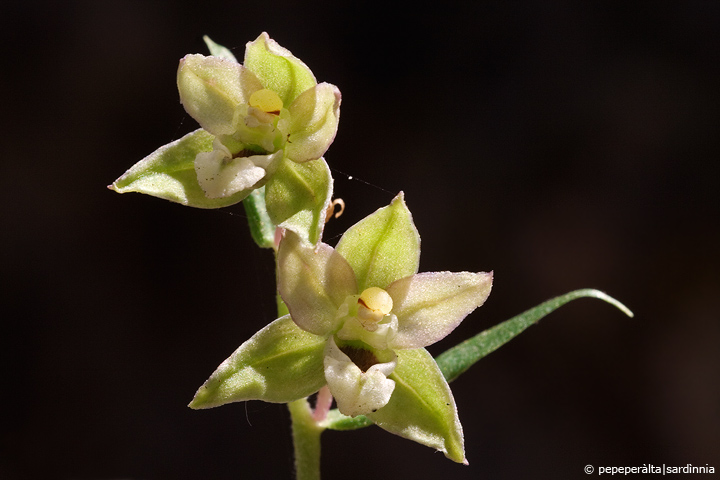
<point>360,317</point>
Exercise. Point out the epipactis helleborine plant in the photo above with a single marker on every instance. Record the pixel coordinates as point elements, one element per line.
<point>266,122</point>
<point>360,317</point>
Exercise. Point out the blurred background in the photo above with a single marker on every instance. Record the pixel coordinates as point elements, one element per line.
<point>561,144</point>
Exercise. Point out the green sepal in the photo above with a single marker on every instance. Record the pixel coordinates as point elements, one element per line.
<point>383,247</point>
<point>298,195</point>
<point>422,407</point>
<point>278,364</point>
<point>217,50</point>
<point>458,359</point>
<point>277,68</point>
<point>169,173</point>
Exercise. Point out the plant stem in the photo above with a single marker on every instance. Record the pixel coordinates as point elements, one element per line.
<point>305,428</point>
<point>261,227</point>
<point>306,440</point>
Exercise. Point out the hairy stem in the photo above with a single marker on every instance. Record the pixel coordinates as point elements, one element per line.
<point>306,440</point>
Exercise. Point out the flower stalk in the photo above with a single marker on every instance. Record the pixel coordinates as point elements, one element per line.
<point>306,440</point>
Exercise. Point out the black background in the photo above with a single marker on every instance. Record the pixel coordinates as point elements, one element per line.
<point>561,144</point>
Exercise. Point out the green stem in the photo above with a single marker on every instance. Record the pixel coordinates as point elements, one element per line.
<point>306,440</point>
<point>305,429</point>
<point>261,227</point>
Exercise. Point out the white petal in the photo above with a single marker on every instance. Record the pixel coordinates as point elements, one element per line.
<point>315,115</point>
<point>357,392</point>
<point>380,338</point>
<point>220,175</point>
<point>430,305</point>
<point>211,89</point>
<point>314,283</point>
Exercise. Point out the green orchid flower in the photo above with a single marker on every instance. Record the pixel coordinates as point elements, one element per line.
<point>360,317</point>
<point>265,123</point>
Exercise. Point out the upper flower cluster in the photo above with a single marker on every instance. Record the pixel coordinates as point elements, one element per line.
<point>264,123</point>
<point>267,109</point>
<point>360,317</point>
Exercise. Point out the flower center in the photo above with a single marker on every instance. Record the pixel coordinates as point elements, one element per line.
<point>267,101</point>
<point>363,358</point>
<point>374,303</point>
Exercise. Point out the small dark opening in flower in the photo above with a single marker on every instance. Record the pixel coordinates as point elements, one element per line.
<point>249,151</point>
<point>364,359</point>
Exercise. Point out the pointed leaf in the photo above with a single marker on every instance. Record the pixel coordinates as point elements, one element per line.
<point>277,68</point>
<point>313,283</point>
<point>459,358</point>
<point>422,407</point>
<point>169,173</point>
<point>298,195</point>
<point>279,364</point>
<point>429,306</point>
<point>383,247</point>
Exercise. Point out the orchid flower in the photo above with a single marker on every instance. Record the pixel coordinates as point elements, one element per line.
<point>360,317</point>
<point>266,122</point>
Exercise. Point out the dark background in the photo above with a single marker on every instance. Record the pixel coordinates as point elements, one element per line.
<point>561,144</point>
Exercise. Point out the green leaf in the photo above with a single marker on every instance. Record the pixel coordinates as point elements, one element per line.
<point>383,247</point>
<point>277,68</point>
<point>297,197</point>
<point>459,358</point>
<point>422,407</point>
<point>337,421</point>
<point>278,364</point>
<point>217,50</point>
<point>169,173</point>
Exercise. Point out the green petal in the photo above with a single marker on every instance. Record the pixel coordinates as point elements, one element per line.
<point>297,197</point>
<point>217,50</point>
<point>277,68</point>
<point>169,173</point>
<point>313,282</point>
<point>422,407</point>
<point>383,247</point>
<point>211,88</point>
<point>314,122</point>
<point>279,364</point>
